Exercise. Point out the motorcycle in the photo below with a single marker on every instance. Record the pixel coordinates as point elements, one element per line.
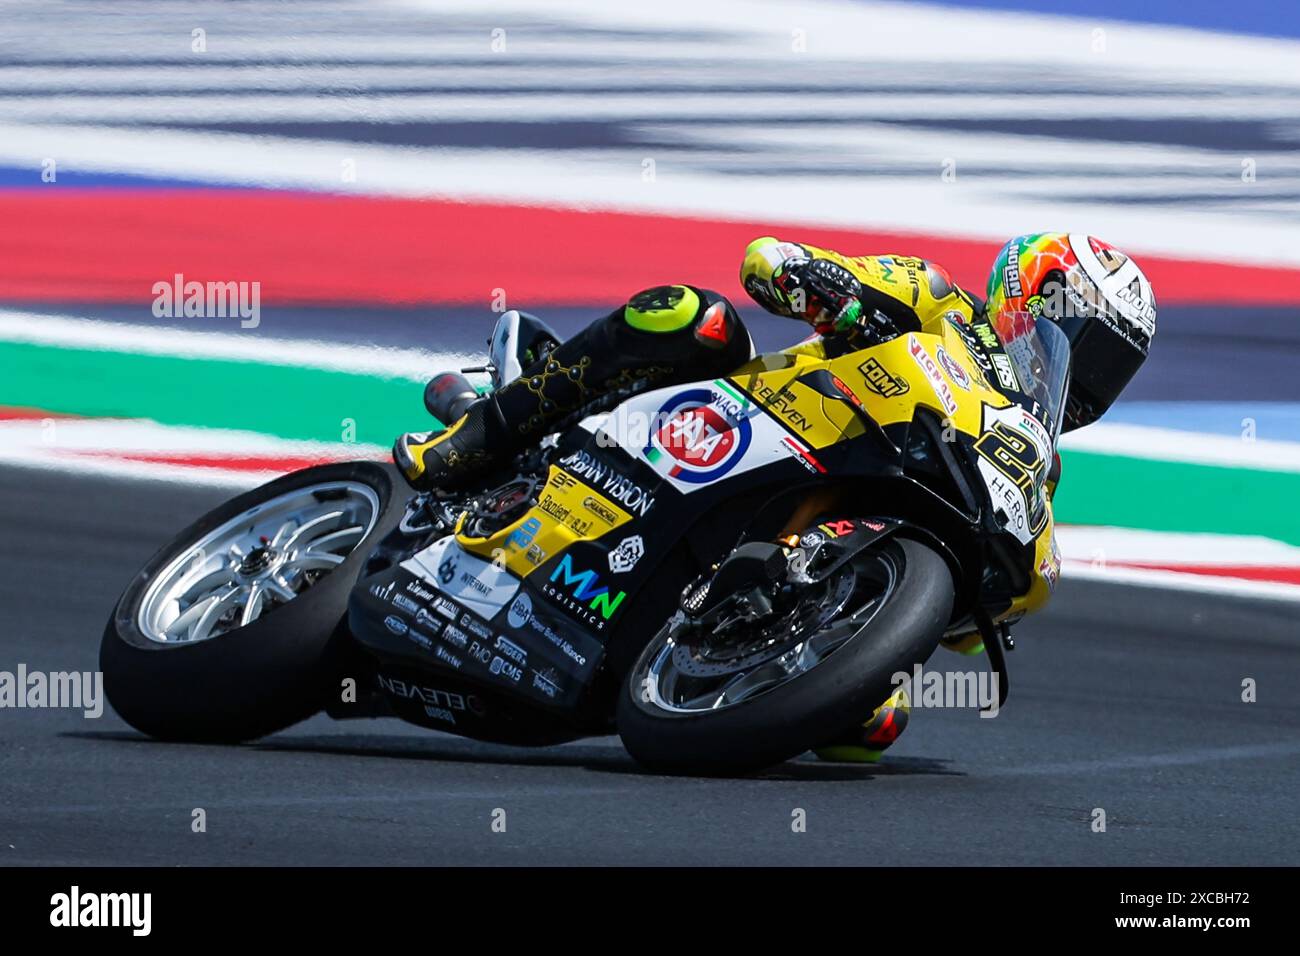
<point>726,573</point>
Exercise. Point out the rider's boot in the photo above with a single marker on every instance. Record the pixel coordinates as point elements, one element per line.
<point>866,743</point>
<point>662,336</point>
<point>456,455</point>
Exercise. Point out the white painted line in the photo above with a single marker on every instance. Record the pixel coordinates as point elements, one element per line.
<point>663,108</point>
<point>137,435</point>
<point>85,446</point>
<point>1168,444</point>
<point>1174,580</point>
<point>1108,545</point>
<point>72,333</point>
<point>136,471</point>
<point>1044,43</point>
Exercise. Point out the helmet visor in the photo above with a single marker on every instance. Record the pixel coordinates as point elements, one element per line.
<point>1104,363</point>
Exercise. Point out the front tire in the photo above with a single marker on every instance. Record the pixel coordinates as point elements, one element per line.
<point>672,730</point>
<point>236,628</point>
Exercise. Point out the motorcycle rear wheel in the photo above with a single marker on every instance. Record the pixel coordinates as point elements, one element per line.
<point>236,627</point>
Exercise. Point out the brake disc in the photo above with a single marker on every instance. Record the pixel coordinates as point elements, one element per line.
<point>766,641</point>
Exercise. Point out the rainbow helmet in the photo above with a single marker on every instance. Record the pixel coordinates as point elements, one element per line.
<point>1097,295</point>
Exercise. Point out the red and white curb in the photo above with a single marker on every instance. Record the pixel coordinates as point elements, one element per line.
<point>141,449</point>
<point>1244,565</point>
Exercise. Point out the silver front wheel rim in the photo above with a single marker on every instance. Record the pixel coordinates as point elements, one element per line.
<point>257,561</point>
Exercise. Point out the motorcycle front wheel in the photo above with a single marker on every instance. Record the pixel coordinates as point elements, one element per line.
<point>236,628</point>
<point>794,682</point>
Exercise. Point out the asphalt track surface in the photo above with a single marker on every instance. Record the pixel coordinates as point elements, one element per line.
<point>1123,699</point>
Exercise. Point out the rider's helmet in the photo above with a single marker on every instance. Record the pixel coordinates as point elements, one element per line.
<point>1098,297</point>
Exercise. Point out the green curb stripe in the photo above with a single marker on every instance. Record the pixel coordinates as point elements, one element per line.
<point>1177,496</point>
<point>286,401</point>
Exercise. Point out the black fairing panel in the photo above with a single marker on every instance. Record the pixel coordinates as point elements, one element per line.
<point>522,670</point>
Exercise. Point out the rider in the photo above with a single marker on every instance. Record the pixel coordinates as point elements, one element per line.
<point>670,335</point>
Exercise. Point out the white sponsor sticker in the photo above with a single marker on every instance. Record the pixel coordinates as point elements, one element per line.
<point>1016,503</point>
<point>1006,374</point>
<point>624,557</point>
<point>694,435</point>
<point>478,585</point>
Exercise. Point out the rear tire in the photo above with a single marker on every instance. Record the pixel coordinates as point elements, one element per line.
<point>259,678</point>
<point>791,718</point>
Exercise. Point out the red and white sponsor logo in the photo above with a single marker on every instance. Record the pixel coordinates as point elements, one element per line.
<point>1050,567</point>
<point>705,433</point>
<point>931,369</point>
<point>953,368</point>
<point>697,438</point>
<point>803,455</point>
<point>1050,573</point>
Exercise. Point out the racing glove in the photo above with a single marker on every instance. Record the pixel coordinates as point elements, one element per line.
<point>783,278</point>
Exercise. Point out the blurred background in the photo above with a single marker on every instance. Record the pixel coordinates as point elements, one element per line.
<point>380,177</point>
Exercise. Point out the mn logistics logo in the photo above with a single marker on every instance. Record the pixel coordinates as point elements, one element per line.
<point>581,594</point>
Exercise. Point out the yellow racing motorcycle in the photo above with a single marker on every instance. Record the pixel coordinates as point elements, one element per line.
<point>728,573</point>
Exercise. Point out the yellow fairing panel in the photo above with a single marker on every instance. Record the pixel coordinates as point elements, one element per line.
<point>1046,571</point>
<point>568,510</point>
<point>817,421</point>
<point>932,370</point>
